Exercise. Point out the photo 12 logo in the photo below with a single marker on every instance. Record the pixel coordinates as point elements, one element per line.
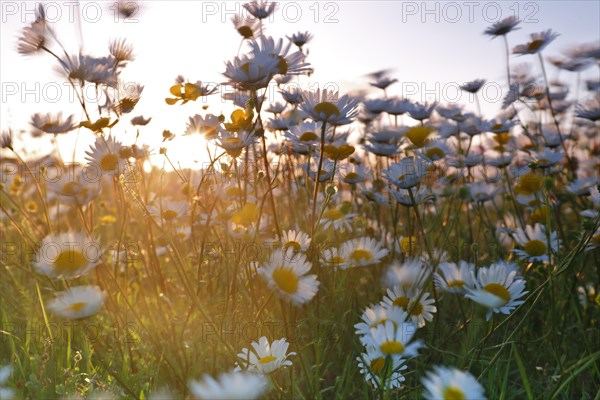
<point>70,11</point>
<point>468,11</point>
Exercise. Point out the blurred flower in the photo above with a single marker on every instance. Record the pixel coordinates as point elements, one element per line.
<point>535,243</point>
<point>208,126</point>
<point>140,121</point>
<point>5,392</point>
<point>121,50</point>
<point>407,173</point>
<point>451,383</point>
<point>454,278</point>
<point>260,9</point>
<point>35,36</point>
<point>300,38</point>
<point>78,302</point>
<point>538,42</point>
<point>52,123</point>
<point>473,86</point>
<point>247,27</point>
<point>503,27</point>
<point>67,255</point>
<point>230,386</point>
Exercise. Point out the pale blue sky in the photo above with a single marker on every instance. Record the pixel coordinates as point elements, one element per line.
<point>426,43</point>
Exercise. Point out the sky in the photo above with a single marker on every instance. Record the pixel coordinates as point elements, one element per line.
<point>430,47</point>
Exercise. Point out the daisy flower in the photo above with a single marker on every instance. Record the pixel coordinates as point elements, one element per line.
<point>407,173</point>
<point>420,111</point>
<point>394,340</point>
<point>34,36</point>
<point>333,257</point>
<point>371,366</point>
<point>286,274</point>
<point>591,112</point>
<point>66,255</point>
<point>354,173</point>
<point>234,145</point>
<point>547,158</point>
<point>451,383</point>
<point>266,357</point>
<point>251,72</point>
<point>325,106</point>
<point>247,27</point>
<point>594,242</point>
<point>208,126</point>
<point>420,309</point>
<point>296,240</point>
<point>412,274</point>
<point>260,9</point>
<point>337,219</point>
<point>168,210</point>
<point>378,315</point>
<point>300,38</point>
<point>287,64</point>
<point>453,278</point>
<point>581,186</point>
<point>105,154</point>
<point>481,192</point>
<point>78,302</point>
<point>363,251</point>
<point>498,288</point>
<point>534,243</point>
<point>52,123</point>
<point>381,149</point>
<point>423,195</point>
<point>595,199</point>
<point>538,42</point>
<point>230,386</point>
<point>503,27</point>
<point>473,86</point>
<point>74,188</point>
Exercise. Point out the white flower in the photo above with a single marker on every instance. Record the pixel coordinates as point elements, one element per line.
<point>67,255</point>
<point>5,393</point>
<point>498,288</point>
<point>538,42</point>
<point>363,251</point>
<point>266,357</point>
<point>419,308</point>
<point>451,383</point>
<point>168,210</point>
<point>78,302</point>
<point>260,9</point>
<point>105,154</point>
<point>503,27</point>
<point>412,274</point>
<point>286,274</point>
<point>74,187</point>
<point>372,365</point>
<point>394,340</point>
<point>407,173</point>
<point>453,278</point>
<point>230,386</point>
<point>535,243</point>
<point>297,240</point>
<point>52,123</point>
<point>325,106</point>
<point>375,315</point>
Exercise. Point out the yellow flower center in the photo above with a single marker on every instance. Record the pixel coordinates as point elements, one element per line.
<point>456,284</point>
<point>169,215</point>
<point>418,135</point>
<point>69,261</point>
<point>109,162</point>
<point>333,214</point>
<point>266,359</point>
<point>361,255</point>
<point>391,347</point>
<point>308,136</point>
<point>401,301</point>
<point>454,393</point>
<point>293,244</point>
<point>535,248</point>
<point>417,309</point>
<point>282,66</point>
<point>245,31</point>
<point>351,175</point>
<point>231,141</point>
<point>286,279</point>
<point>408,244</point>
<point>497,290</point>
<point>77,306</point>
<point>338,260</point>
<point>377,365</point>
<point>72,188</point>
<point>529,183</point>
<point>327,108</point>
<point>435,153</point>
<point>535,45</point>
